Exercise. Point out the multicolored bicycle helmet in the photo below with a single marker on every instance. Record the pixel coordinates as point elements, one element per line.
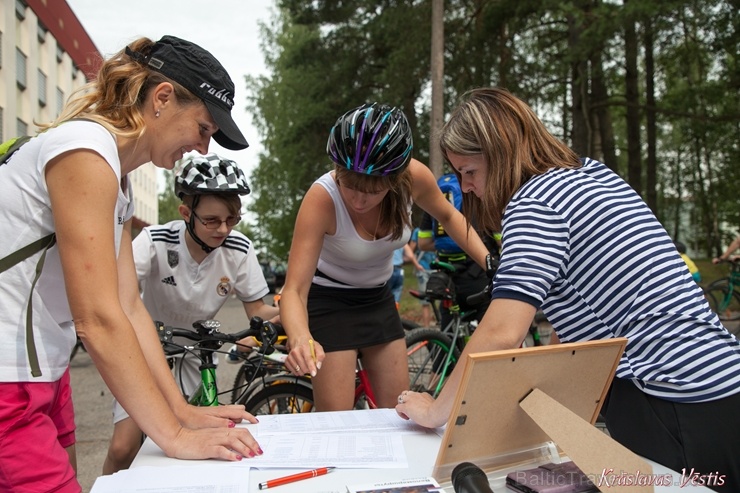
<point>373,139</point>
<point>210,174</point>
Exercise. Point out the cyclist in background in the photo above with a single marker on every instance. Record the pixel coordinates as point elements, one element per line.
<point>693,269</point>
<point>676,391</point>
<point>188,268</point>
<point>734,246</point>
<point>336,300</point>
<point>423,265</point>
<point>469,278</point>
<point>147,103</point>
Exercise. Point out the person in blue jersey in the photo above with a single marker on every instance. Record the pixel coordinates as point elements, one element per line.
<point>188,268</point>
<point>676,392</point>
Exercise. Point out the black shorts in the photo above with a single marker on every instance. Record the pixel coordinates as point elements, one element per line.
<point>342,318</point>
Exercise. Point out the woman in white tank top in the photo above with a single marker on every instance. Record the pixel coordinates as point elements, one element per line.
<point>336,300</point>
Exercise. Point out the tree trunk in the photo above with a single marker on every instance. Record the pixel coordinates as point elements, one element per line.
<point>634,157</point>
<point>651,185</point>
<point>437,66</point>
<point>600,99</point>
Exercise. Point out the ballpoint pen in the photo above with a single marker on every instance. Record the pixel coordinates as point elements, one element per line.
<point>295,477</point>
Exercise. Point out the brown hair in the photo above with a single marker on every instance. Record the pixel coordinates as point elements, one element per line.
<point>396,205</point>
<point>514,143</point>
<point>232,201</point>
<point>116,97</point>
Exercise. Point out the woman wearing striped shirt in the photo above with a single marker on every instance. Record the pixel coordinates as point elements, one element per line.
<point>582,246</point>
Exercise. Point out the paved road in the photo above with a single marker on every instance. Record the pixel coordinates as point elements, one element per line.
<point>93,401</point>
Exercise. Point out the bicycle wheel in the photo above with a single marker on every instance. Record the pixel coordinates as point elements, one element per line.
<point>431,357</point>
<point>723,301</point>
<point>409,324</point>
<point>281,398</point>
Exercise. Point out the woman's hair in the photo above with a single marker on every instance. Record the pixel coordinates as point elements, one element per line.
<point>116,97</point>
<point>513,142</point>
<point>395,205</point>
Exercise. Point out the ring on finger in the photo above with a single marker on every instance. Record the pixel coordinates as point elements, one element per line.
<point>297,368</point>
<point>400,399</point>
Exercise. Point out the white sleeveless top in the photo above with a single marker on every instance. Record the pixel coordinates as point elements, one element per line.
<point>347,257</point>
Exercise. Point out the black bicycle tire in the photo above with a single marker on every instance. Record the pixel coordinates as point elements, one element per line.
<point>280,390</point>
<point>718,290</point>
<point>409,325</point>
<point>240,383</point>
<point>440,342</point>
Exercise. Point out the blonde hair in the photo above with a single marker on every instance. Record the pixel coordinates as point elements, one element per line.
<point>395,207</point>
<point>514,143</point>
<point>116,97</point>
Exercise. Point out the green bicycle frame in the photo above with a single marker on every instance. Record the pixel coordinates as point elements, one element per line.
<point>206,393</point>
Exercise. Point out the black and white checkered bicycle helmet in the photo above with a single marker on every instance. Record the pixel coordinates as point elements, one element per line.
<point>210,174</point>
<point>373,139</point>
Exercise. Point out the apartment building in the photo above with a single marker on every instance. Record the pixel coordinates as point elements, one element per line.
<point>46,55</point>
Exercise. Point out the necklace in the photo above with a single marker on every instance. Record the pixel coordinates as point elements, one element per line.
<point>377,224</point>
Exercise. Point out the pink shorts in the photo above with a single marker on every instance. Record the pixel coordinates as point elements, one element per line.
<point>36,425</point>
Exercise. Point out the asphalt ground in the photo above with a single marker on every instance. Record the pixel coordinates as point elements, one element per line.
<point>93,401</point>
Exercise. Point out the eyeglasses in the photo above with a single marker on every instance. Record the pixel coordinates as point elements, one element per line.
<point>230,221</point>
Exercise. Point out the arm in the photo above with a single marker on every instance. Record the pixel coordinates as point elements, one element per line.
<point>730,249</point>
<point>316,217</point>
<point>83,190</point>
<point>428,196</point>
<point>408,256</point>
<point>504,326</point>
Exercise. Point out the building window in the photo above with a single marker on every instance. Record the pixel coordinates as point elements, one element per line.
<point>41,33</point>
<point>21,128</point>
<point>60,54</point>
<point>20,69</point>
<point>20,9</point>
<point>60,101</point>
<point>42,88</point>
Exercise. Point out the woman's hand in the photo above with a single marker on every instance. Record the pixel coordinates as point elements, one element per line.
<point>196,417</point>
<point>213,443</point>
<point>305,356</point>
<point>419,408</point>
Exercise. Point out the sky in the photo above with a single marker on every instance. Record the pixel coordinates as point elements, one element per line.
<point>227,28</point>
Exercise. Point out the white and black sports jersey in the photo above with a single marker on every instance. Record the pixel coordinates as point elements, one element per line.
<point>177,291</point>
<point>577,242</point>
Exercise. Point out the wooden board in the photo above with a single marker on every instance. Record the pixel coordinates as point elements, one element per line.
<point>488,427</point>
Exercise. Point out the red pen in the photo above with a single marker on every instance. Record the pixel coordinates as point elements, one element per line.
<point>295,477</point>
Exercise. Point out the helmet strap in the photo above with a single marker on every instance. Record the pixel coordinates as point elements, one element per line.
<point>190,226</point>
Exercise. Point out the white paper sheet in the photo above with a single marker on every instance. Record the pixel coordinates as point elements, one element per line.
<point>371,420</point>
<point>176,479</point>
<point>341,450</point>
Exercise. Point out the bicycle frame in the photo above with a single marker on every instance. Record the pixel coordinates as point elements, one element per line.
<point>364,388</point>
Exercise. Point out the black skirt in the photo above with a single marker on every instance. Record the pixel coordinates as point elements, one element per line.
<point>342,319</point>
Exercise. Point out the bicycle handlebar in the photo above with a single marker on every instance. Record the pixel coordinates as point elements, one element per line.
<point>208,335</point>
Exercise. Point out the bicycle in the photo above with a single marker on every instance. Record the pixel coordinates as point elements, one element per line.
<point>284,393</point>
<point>431,353</point>
<point>208,340</point>
<point>723,295</point>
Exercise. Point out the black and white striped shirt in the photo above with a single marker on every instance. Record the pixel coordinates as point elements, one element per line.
<point>583,245</point>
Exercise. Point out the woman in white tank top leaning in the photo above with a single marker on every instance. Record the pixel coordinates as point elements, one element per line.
<point>336,300</point>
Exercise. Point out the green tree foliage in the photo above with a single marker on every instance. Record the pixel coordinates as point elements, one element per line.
<point>567,59</point>
<point>168,201</point>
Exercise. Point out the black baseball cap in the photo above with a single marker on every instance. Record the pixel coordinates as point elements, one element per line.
<point>199,72</point>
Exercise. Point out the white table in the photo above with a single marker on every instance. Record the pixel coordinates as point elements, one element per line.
<point>421,451</point>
